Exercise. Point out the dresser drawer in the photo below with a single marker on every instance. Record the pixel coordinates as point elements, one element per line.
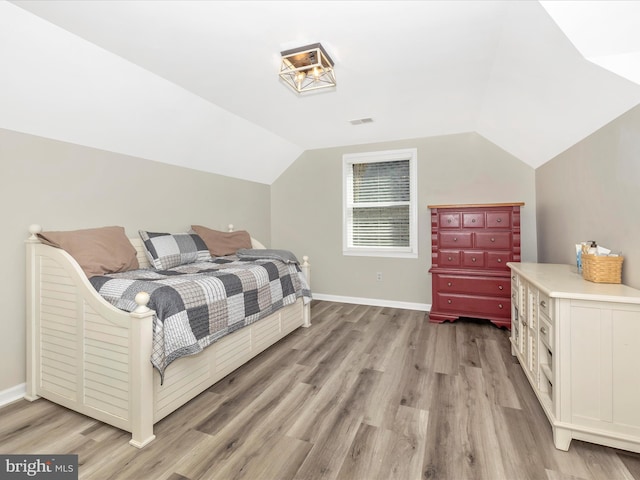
<point>499,220</point>
<point>546,332</point>
<point>473,259</point>
<point>515,297</point>
<point>449,258</point>
<point>474,305</point>
<point>515,282</point>
<point>455,240</point>
<point>493,240</point>
<point>449,220</point>
<point>515,289</point>
<point>498,259</point>
<point>472,285</point>
<point>544,303</point>
<point>473,219</point>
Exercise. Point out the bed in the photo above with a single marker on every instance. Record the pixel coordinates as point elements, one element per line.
<point>89,356</point>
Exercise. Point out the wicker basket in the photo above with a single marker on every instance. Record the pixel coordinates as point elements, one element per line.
<point>602,269</point>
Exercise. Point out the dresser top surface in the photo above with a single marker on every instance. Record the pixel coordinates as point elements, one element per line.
<point>564,281</point>
<point>478,205</point>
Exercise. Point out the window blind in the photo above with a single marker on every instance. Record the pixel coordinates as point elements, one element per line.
<point>380,204</point>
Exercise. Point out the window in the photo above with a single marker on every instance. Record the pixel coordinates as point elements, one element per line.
<point>380,214</point>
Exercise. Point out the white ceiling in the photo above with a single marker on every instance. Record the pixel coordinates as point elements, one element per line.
<point>605,32</point>
<point>194,83</point>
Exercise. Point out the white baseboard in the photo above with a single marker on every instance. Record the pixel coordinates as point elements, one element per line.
<point>424,307</point>
<point>12,394</point>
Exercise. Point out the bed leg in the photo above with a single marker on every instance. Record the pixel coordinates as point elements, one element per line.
<point>306,316</point>
<point>306,269</point>
<point>140,443</point>
<point>32,327</point>
<point>141,380</point>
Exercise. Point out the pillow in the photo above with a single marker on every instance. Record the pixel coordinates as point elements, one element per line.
<point>223,243</point>
<point>97,250</point>
<point>168,250</point>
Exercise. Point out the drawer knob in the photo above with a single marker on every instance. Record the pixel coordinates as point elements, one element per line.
<point>499,220</point>
<point>450,258</point>
<point>473,259</point>
<point>543,330</point>
<point>500,306</point>
<point>449,301</point>
<point>543,304</point>
<point>499,260</point>
<point>455,239</point>
<point>449,220</point>
<point>449,284</point>
<point>500,287</point>
<point>524,324</point>
<point>473,220</point>
<point>493,239</point>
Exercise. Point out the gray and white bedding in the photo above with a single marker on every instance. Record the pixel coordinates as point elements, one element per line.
<point>199,303</point>
<point>266,253</point>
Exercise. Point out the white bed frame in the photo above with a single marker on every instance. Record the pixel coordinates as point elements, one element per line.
<point>91,357</point>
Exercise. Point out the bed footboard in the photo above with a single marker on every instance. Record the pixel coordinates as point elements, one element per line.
<point>82,352</point>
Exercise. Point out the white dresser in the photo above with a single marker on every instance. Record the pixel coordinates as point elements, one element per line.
<point>579,345</point>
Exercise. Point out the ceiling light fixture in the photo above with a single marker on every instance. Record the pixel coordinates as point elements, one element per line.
<point>307,68</point>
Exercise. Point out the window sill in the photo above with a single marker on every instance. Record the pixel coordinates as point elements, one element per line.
<point>379,253</point>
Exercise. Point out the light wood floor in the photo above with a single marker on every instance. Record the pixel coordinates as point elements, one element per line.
<point>365,393</point>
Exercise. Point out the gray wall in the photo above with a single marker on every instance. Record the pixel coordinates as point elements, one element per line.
<point>306,212</point>
<point>64,187</point>
<point>592,192</point>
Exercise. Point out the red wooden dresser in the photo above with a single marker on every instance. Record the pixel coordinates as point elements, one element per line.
<point>470,248</point>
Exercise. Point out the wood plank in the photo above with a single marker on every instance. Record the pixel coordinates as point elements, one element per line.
<point>365,456</point>
<point>497,384</point>
<point>337,431</point>
<point>405,454</point>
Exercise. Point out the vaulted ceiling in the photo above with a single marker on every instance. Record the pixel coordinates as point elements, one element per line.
<point>194,83</point>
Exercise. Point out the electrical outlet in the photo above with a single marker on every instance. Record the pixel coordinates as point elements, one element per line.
<point>379,276</point>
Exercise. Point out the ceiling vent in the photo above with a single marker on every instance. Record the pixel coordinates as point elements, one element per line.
<point>360,121</point>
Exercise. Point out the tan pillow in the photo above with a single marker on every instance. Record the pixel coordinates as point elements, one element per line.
<point>97,250</point>
<point>223,243</point>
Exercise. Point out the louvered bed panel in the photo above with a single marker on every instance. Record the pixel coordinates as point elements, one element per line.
<point>58,346</point>
<point>106,365</point>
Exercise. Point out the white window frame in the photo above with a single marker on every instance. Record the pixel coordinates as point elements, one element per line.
<point>348,160</point>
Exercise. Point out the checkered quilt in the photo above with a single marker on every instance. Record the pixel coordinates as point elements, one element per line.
<point>199,303</point>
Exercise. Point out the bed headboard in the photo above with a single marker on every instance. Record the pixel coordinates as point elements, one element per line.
<point>140,252</point>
